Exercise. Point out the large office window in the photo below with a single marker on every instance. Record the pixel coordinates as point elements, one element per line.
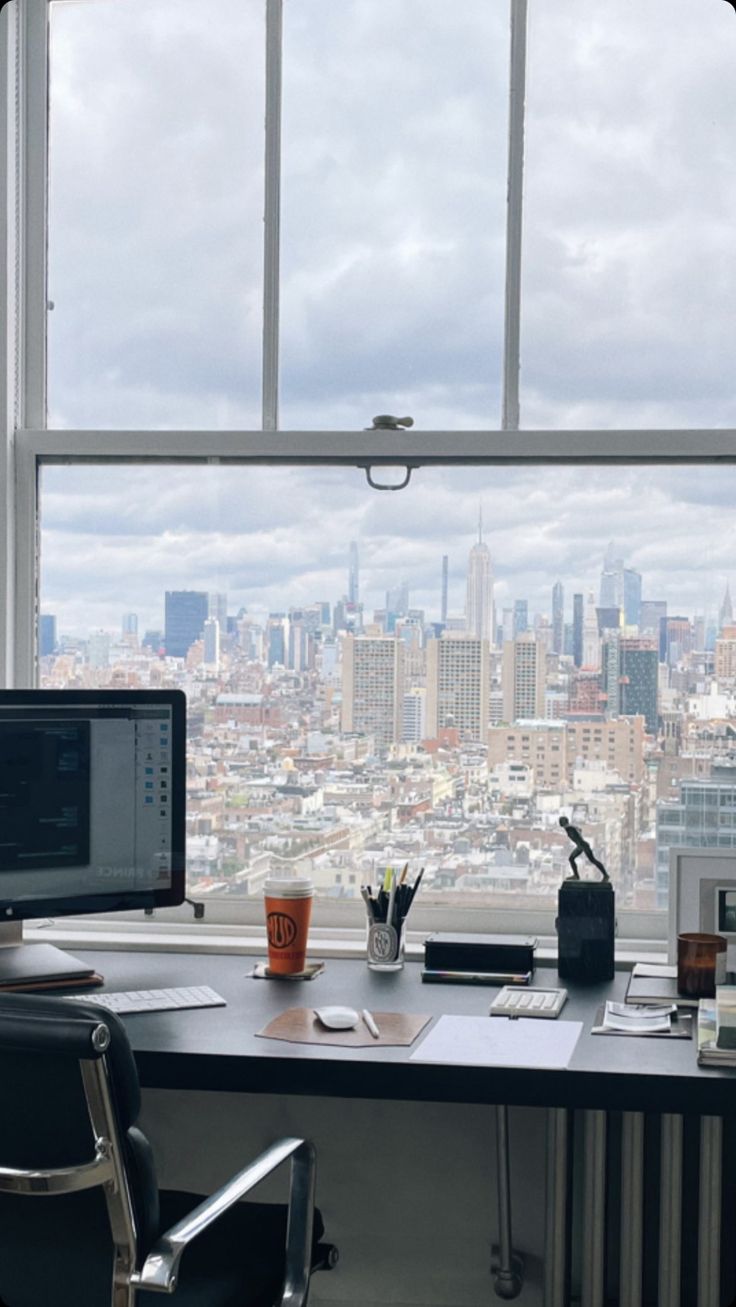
<point>244,231</point>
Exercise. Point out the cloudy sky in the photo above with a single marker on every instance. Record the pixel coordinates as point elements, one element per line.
<point>392,296</point>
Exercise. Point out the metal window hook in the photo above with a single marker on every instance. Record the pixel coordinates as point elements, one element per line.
<point>385,485</point>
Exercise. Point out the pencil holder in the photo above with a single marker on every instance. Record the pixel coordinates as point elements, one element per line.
<point>385,946</point>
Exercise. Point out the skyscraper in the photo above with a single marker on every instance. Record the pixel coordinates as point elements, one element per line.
<point>611,587</point>
<point>620,587</point>
<point>725,615</point>
<point>373,687</point>
<point>413,717</point>
<point>632,596</point>
<point>591,639</point>
<point>577,630</point>
<point>650,615</point>
<point>523,678</point>
<point>397,599</point>
<point>277,639</point>
<point>211,654</point>
<point>558,617</point>
<point>353,574</point>
<point>678,639</point>
<point>521,617</point>
<point>130,624</point>
<point>217,607</point>
<point>458,685</point>
<point>479,619</point>
<point>186,612</point>
<point>638,681</point>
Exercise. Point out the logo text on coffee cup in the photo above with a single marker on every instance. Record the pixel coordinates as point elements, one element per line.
<point>281,929</point>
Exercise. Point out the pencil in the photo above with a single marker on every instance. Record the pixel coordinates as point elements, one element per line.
<point>414,889</point>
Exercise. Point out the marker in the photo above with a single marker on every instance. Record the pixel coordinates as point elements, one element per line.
<point>391,900</point>
<point>371,1024</point>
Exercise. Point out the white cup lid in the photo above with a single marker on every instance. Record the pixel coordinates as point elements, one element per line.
<point>289,887</point>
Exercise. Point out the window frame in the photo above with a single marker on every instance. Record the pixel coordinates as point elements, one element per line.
<point>28,446</point>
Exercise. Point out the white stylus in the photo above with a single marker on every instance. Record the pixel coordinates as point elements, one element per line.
<point>371,1024</point>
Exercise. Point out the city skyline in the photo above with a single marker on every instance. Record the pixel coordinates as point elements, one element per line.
<point>275,538</point>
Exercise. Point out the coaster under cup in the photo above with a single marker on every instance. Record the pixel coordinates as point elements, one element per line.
<point>262,971</point>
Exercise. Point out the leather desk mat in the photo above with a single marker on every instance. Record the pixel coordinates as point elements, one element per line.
<point>299,1025</point>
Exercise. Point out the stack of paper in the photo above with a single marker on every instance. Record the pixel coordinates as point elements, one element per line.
<point>726,1016</point>
<point>635,1019</point>
<point>709,1054</point>
<point>716,1028</point>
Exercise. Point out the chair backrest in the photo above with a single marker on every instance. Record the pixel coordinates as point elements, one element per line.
<point>68,1078</point>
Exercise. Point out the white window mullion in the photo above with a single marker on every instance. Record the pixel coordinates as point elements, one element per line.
<point>33,171</point>
<point>27,529</point>
<point>515,187</point>
<point>27,304</point>
<point>272,215</point>
<point>8,115</point>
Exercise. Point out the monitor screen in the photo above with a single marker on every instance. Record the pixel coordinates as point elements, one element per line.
<point>92,801</point>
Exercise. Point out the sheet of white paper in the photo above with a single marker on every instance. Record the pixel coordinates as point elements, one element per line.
<point>652,969</point>
<point>500,1041</point>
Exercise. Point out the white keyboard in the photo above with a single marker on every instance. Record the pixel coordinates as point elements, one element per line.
<point>152,1000</point>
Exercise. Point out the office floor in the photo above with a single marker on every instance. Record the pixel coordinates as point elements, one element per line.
<point>407,1190</point>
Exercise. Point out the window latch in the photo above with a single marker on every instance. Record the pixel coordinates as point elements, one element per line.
<point>385,422</point>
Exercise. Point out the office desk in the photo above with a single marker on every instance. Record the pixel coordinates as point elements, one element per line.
<point>217,1049</point>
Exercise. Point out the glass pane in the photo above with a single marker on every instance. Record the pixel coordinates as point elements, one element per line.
<point>378,678</point>
<point>628,260</point>
<point>156,213</point>
<point>394,161</point>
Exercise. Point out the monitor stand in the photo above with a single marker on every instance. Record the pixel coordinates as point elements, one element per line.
<point>36,966</point>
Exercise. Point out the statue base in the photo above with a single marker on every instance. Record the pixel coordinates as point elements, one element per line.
<point>586,928</point>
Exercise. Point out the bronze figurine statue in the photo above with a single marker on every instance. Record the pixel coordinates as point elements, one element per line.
<point>581,846</point>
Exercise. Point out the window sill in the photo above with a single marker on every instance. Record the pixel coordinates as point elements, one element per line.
<point>247,941</point>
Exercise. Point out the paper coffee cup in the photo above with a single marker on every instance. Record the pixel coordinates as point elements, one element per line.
<point>288,904</point>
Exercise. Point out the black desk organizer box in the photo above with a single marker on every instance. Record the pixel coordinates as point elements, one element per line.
<point>479,953</point>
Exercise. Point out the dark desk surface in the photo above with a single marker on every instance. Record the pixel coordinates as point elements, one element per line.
<point>216,1048</point>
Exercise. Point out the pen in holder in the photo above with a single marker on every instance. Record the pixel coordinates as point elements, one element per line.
<point>387,912</point>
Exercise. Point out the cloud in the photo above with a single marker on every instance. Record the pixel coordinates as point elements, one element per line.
<point>394,157</point>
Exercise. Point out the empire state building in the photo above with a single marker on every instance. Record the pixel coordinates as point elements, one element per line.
<point>479,616</point>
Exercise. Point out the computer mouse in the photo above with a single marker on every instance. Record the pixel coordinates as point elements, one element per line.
<point>337,1018</point>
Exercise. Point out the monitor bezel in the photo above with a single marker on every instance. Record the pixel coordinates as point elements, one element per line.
<point>127,901</point>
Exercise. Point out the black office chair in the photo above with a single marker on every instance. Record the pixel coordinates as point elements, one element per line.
<point>103,1233</point>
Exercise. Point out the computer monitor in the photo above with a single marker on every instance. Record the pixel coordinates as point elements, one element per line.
<point>92,806</point>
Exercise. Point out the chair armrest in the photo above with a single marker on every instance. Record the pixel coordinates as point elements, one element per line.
<point>160,1269</point>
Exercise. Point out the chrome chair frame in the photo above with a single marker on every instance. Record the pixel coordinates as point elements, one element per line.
<point>159,1272</point>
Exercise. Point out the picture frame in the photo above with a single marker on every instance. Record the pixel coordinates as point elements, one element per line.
<point>702,893</point>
